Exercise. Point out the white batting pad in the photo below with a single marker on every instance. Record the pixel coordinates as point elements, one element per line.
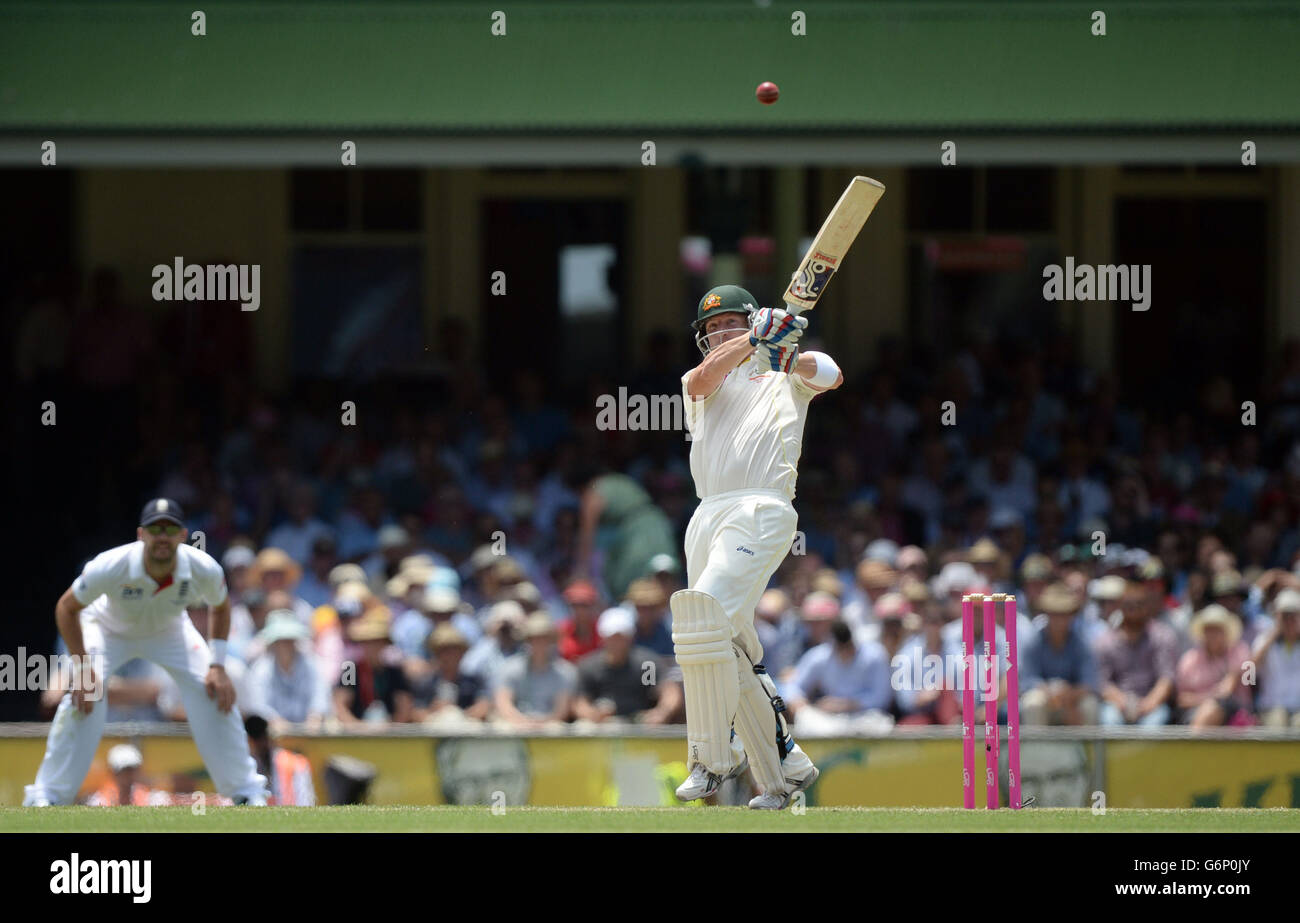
<point>702,643</point>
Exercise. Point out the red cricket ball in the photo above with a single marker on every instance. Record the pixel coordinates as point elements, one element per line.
<point>767,92</point>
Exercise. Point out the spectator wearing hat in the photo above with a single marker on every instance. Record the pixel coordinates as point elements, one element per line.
<point>393,544</point>
<point>986,557</point>
<point>818,612</point>
<point>779,631</point>
<point>374,688</point>
<point>449,694</point>
<point>622,681</point>
<point>1230,591</point>
<point>350,597</point>
<point>1058,671</point>
<point>275,570</point>
<point>439,605</point>
<point>616,513</point>
<point>1102,610</point>
<point>536,687</point>
<point>237,562</point>
<point>577,633</point>
<point>918,672</point>
<point>1209,682</point>
<point>245,642</point>
<point>286,686</point>
<point>894,622</point>
<point>667,572</point>
<point>502,639</point>
<point>873,579</point>
<point>314,586</point>
<point>297,534</point>
<point>913,563</point>
<point>653,619</point>
<point>1136,665</point>
<point>288,773</point>
<point>841,686</point>
<point>1278,655</point>
<point>126,787</point>
<point>1036,573</point>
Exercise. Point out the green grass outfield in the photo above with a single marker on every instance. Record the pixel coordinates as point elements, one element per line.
<point>373,819</point>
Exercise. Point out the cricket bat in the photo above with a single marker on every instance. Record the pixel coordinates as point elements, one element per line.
<point>831,243</point>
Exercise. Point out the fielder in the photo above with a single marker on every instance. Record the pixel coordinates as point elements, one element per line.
<point>139,594</point>
<point>745,408</point>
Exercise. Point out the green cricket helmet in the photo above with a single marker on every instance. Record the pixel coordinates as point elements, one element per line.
<point>721,299</point>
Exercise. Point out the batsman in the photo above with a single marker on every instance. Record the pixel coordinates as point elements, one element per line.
<point>745,403</point>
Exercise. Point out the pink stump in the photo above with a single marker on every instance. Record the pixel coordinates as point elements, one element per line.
<point>991,751</point>
<point>1013,701</point>
<point>968,702</point>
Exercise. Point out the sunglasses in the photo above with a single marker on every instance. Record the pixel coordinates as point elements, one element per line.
<point>163,528</point>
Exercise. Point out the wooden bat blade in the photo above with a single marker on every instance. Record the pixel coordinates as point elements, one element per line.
<point>832,243</point>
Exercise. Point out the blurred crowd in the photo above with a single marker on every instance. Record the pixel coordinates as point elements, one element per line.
<point>434,546</point>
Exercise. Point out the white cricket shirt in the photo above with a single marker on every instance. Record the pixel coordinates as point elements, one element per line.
<point>134,605</point>
<point>749,432</point>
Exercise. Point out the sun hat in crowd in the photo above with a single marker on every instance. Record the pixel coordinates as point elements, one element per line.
<point>539,625</point>
<point>985,551</point>
<point>440,599</point>
<point>275,559</point>
<point>820,607</point>
<point>1107,589</point>
<point>283,625</point>
<point>238,556</point>
<point>445,636</point>
<point>392,537</point>
<point>882,549</point>
<point>645,592</point>
<point>663,563</point>
<point>911,556</point>
<point>346,573</point>
<point>615,621</point>
<point>1214,614</point>
<point>125,756</point>
<point>506,612</point>
<point>1037,566</point>
<point>1287,600</point>
<point>581,592</point>
<point>1058,599</point>
<point>374,625</point>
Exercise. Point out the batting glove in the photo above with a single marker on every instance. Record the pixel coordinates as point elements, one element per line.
<point>778,358</point>
<point>776,326</point>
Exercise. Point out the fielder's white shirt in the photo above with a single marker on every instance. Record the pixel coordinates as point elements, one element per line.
<point>134,605</point>
<point>749,432</point>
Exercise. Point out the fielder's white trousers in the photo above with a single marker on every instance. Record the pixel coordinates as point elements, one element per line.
<point>183,653</point>
<point>734,543</point>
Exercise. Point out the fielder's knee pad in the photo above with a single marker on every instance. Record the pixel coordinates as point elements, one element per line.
<point>702,644</point>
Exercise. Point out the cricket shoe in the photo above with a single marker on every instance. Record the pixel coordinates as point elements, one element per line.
<point>779,801</point>
<point>701,783</point>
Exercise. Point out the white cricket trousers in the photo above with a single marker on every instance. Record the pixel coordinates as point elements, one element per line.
<point>183,653</point>
<point>734,543</point>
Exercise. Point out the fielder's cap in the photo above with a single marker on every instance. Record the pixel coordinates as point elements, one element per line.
<point>1214,614</point>
<point>581,592</point>
<point>346,573</point>
<point>663,564</point>
<point>616,621</point>
<point>446,635</point>
<point>283,625</point>
<point>125,756</point>
<point>162,509</point>
<point>1287,600</point>
<point>238,556</point>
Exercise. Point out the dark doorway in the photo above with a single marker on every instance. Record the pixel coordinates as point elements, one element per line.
<point>563,261</point>
<point>1209,284</point>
